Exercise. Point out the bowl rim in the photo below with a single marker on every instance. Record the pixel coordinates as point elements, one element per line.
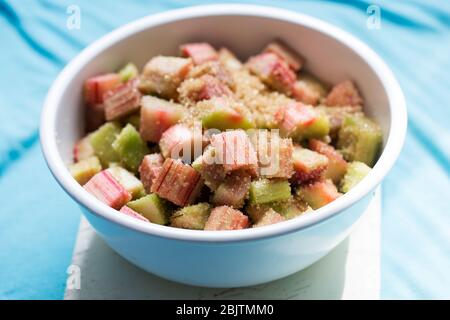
<point>393,146</point>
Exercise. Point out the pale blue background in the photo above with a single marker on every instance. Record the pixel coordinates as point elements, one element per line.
<point>38,222</point>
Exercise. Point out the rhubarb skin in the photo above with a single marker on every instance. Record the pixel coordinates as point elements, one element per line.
<point>158,115</point>
<point>131,213</point>
<point>130,147</point>
<point>191,217</point>
<point>308,165</point>
<point>122,100</point>
<point>266,191</point>
<point>319,193</point>
<point>102,140</point>
<point>152,207</point>
<point>149,169</point>
<point>337,166</point>
<point>108,190</point>
<point>233,190</point>
<point>179,141</point>
<point>96,87</point>
<point>226,218</point>
<point>199,52</point>
<point>356,171</point>
<point>85,169</point>
<point>268,218</point>
<point>128,180</point>
<point>177,182</point>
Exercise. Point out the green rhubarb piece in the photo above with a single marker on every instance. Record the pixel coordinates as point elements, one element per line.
<point>318,129</point>
<point>360,139</point>
<point>128,72</point>
<point>101,141</point>
<point>130,147</point>
<point>85,169</point>
<point>224,119</point>
<point>289,209</point>
<point>152,207</point>
<point>134,120</point>
<point>356,171</point>
<point>128,180</point>
<point>266,191</point>
<point>191,217</point>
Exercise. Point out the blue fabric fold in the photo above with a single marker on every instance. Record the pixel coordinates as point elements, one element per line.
<point>38,222</point>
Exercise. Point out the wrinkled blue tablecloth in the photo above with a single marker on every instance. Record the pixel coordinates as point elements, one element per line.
<point>38,222</point>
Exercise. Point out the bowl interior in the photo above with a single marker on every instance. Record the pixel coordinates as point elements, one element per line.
<point>327,58</point>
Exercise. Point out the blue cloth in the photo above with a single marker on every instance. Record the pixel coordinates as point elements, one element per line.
<point>38,222</point>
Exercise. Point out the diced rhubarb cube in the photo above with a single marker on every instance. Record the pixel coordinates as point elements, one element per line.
<point>149,169</point>
<point>96,87</point>
<point>132,184</point>
<point>356,171</point>
<point>199,52</point>
<point>94,116</point>
<point>289,209</point>
<point>108,190</point>
<point>83,149</point>
<point>268,218</point>
<point>266,191</point>
<point>163,75</point>
<point>102,140</point>
<point>308,165</point>
<point>319,193</point>
<point>177,182</point>
<point>202,88</point>
<point>273,71</point>
<point>130,212</point>
<point>158,115</point>
<point>235,151</point>
<point>301,121</point>
<point>344,94</point>
<point>180,141</point>
<point>229,60</point>
<point>130,147</point>
<point>212,173</point>
<point>308,90</point>
<point>233,190</point>
<point>85,169</point>
<point>213,69</point>
<point>122,100</point>
<point>224,113</point>
<point>152,207</point>
<point>128,72</point>
<point>337,166</point>
<point>226,218</point>
<point>191,217</point>
<point>286,53</point>
<point>274,154</point>
<point>336,116</point>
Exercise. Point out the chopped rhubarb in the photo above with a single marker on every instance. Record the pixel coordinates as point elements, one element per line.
<point>177,182</point>
<point>319,193</point>
<point>85,169</point>
<point>229,60</point>
<point>266,191</point>
<point>130,147</point>
<point>289,209</point>
<point>268,218</point>
<point>308,90</point>
<point>233,190</point>
<point>344,94</point>
<point>337,166</point>
<point>180,141</point>
<point>102,140</point>
<point>128,72</point>
<point>131,213</point>
<point>223,114</point>
<point>212,173</point>
<point>94,116</point>
<point>191,217</point>
<point>202,88</point>
<point>83,149</point>
<point>235,151</point>
<point>286,53</point>
<point>132,184</point>
<point>108,190</point>
<point>356,171</point>
<point>360,139</point>
<point>301,121</point>
<point>273,71</point>
<point>152,208</point>
<point>149,169</point>
<point>199,52</point>
<point>158,115</point>
<point>122,100</point>
<point>308,165</point>
<point>134,120</point>
<point>226,218</point>
<point>96,87</point>
<point>163,75</point>
<point>336,116</point>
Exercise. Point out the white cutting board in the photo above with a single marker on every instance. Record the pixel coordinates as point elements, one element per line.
<point>350,271</point>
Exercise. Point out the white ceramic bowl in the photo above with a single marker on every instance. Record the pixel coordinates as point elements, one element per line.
<point>226,258</point>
